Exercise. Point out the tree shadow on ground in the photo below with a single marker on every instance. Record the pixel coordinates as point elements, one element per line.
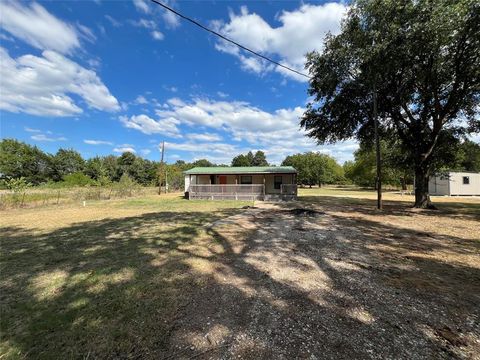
<point>161,285</point>
<point>457,209</point>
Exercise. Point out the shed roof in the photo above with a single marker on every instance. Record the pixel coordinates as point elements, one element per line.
<point>225,170</point>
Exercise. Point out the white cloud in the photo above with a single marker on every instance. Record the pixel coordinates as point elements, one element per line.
<point>147,24</point>
<point>301,31</point>
<point>171,20</point>
<point>39,85</point>
<point>97,142</point>
<point>142,6</point>
<point>206,137</point>
<point>43,137</point>
<point>157,35</point>
<point>244,121</point>
<point>94,63</point>
<point>215,148</point>
<point>27,129</point>
<point>147,125</point>
<point>113,21</point>
<point>36,26</point>
<point>141,100</point>
<point>170,88</point>
<point>122,149</point>
<point>277,132</point>
<point>86,33</point>
<point>145,152</point>
<point>222,94</point>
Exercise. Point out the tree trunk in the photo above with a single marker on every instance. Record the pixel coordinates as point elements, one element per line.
<point>403,181</point>
<point>422,198</point>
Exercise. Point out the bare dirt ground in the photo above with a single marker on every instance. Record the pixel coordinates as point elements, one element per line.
<point>339,281</point>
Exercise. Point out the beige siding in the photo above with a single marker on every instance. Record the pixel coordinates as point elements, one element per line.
<point>453,184</point>
<point>457,187</point>
<point>270,182</point>
<point>202,179</point>
<point>438,185</point>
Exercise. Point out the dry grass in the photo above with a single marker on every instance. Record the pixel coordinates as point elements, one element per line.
<point>105,280</point>
<point>143,277</point>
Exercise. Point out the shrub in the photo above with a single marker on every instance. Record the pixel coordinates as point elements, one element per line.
<point>126,186</point>
<point>77,179</point>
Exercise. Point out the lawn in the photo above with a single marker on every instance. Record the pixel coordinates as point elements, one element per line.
<point>102,280</point>
<point>151,277</point>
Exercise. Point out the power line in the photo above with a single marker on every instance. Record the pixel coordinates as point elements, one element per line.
<point>227,39</point>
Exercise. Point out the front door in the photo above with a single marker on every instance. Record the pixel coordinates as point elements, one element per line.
<point>222,179</point>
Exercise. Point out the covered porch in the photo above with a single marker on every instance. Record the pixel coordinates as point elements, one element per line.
<point>241,183</point>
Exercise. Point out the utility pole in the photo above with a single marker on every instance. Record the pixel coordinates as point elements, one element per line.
<point>161,170</point>
<point>377,147</point>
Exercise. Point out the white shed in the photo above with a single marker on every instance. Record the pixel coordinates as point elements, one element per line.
<point>454,183</point>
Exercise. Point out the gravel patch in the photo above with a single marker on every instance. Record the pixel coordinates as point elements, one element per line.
<point>317,282</point>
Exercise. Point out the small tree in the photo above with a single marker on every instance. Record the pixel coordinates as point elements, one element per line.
<point>19,188</point>
<point>126,186</point>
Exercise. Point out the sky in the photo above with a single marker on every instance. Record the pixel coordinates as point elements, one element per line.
<point>104,77</point>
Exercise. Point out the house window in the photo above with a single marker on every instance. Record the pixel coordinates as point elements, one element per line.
<point>277,182</point>
<point>245,180</point>
<point>466,180</point>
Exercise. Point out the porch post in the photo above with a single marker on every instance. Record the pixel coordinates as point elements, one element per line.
<point>263,186</point>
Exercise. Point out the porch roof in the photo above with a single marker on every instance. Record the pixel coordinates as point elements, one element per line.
<point>226,170</point>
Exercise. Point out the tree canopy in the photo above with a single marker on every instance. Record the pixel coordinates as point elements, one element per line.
<point>315,169</point>
<point>250,159</point>
<point>423,59</point>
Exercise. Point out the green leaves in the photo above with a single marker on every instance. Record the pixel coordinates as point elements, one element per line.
<point>315,169</point>
<point>249,159</point>
<point>424,59</point>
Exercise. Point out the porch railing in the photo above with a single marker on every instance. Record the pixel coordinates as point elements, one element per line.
<point>224,191</point>
<point>237,192</point>
<point>288,189</point>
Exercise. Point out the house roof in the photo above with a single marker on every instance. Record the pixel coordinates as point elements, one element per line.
<point>226,170</point>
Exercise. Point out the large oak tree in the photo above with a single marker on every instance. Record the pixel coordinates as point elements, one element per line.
<point>423,58</point>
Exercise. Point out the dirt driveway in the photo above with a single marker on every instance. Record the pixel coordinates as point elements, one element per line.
<point>335,283</point>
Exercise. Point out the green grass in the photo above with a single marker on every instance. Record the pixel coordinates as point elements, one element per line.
<point>75,284</point>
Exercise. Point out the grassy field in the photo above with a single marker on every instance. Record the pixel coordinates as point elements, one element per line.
<point>47,196</point>
<point>109,279</point>
<point>103,279</point>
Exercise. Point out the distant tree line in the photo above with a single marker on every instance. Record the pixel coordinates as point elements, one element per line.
<point>21,160</point>
<point>68,167</point>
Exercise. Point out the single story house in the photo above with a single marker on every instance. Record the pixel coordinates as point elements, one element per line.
<point>454,183</point>
<point>241,183</point>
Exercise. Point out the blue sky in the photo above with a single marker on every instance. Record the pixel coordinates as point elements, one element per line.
<point>104,77</point>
